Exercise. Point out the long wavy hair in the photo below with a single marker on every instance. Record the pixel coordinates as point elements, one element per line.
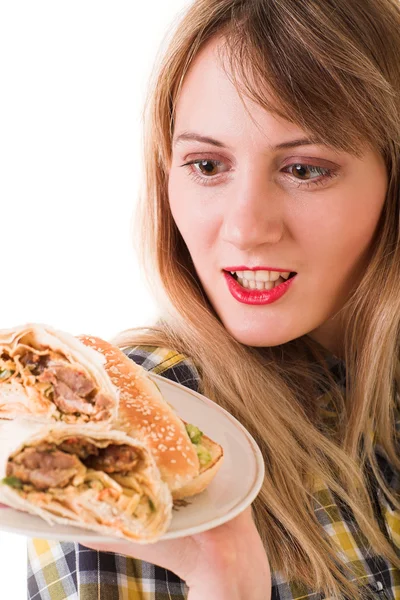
<point>334,69</point>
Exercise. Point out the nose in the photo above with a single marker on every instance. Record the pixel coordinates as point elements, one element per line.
<point>253,214</point>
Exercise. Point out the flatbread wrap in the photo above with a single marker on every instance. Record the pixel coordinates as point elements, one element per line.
<point>83,476</point>
<point>50,374</point>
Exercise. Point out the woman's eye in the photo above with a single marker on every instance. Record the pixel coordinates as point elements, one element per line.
<point>206,166</point>
<point>303,172</point>
<point>206,171</point>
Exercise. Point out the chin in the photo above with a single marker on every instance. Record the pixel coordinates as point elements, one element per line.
<point>252,336</point>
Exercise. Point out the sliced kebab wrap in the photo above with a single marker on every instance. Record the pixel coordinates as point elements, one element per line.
<point>50,374</point>
<point>80,475</point>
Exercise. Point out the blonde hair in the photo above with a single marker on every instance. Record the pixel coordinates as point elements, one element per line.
<point>334,69</point>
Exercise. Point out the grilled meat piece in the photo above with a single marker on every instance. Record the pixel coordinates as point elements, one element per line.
<point>35,363</point>
<point>64,398</point>
<point>79,446</point>
<point>114,459</point>
<point>44,467</point>
<point>79,383</point>
<point>74,392</point>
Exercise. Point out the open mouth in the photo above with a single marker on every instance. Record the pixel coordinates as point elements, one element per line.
<point>253,284</point>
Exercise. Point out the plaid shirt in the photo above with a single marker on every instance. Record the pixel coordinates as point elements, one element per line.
<point>70,571</point>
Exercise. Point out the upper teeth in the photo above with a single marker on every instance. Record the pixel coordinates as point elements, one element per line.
<point>261,275</point>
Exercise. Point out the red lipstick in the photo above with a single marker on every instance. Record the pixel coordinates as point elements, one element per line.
<point>255,297</point>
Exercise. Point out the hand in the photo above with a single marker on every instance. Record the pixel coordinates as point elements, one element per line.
<point>227,562</point>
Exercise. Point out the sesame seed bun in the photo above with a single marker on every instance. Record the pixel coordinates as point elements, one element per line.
<point>144,413</point>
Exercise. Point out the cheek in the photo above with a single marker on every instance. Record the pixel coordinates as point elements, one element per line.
<point>338,230</point>
<point>195,215</point>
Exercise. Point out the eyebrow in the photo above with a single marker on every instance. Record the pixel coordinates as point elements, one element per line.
<point>190,136</point>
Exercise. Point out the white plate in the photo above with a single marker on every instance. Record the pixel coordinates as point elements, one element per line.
<point>233,489</point>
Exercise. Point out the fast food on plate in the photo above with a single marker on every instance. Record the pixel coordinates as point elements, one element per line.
<point>50,374</point>
<point>187,459</point>
<point>47,374</point>
<point>81,475</point>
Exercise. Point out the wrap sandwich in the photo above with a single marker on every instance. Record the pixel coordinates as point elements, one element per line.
<point>50,374</point>
<point>188,460</point>
<point>84,476</point>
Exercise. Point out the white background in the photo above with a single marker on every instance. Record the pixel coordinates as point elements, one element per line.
<point>72,82</point>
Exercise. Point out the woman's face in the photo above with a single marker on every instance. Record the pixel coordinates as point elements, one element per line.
<point>247,203</point>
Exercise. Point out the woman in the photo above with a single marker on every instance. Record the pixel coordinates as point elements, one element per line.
<point>273,144</point>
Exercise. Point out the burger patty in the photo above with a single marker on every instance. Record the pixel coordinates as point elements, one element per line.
<point>44,467</point>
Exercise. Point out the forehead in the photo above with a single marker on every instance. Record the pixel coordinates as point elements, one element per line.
<point>209,103</point>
